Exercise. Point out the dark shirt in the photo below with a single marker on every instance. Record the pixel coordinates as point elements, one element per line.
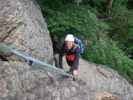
<point>72,56</point>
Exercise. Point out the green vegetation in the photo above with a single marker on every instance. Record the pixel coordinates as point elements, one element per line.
<point>109,41</point>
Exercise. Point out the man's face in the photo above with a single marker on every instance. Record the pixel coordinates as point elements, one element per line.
<point>69,44</point>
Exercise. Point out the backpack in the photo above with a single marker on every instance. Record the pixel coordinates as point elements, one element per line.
<point>80,43</point>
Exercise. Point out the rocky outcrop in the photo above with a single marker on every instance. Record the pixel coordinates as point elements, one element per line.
<point>22,25</point>
<point>19,82</point>
<point>103,79</point>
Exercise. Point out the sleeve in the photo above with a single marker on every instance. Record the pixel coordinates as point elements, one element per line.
<point>61,54</point>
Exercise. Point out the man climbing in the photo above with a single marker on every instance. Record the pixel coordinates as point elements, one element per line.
<point>72,51</point>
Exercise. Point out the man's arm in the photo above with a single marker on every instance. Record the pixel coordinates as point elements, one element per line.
<point>61,54</point>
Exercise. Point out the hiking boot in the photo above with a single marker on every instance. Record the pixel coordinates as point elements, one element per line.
<point>75,77</point>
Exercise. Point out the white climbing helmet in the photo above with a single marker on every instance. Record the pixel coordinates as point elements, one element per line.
<point>69,37</point>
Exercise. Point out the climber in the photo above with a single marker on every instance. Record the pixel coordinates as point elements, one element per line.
<point>72,52</point>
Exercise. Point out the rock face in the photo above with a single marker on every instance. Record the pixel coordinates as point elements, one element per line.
<point>103,79</point>
<point>19,82</point>
<point>22,24</point>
